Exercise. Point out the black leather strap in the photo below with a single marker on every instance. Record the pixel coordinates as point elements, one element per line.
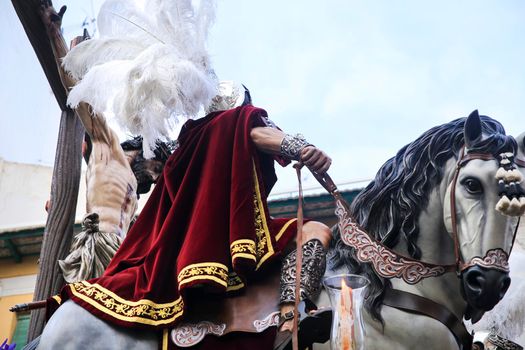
<point>519,162</point>
<point>416,304</point>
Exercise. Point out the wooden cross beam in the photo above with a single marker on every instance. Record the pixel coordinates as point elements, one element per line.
<point>27,12</point>
<point>66,172</point>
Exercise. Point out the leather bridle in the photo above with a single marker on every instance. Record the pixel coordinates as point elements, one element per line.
<point>494,258</point>
<point>390,264</point>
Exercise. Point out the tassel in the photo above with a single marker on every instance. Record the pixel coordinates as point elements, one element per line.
<point>522,203</point>
<point>513,176</point>
<point>501,173</point>
<point>503,204</point>
<point>515,207</point>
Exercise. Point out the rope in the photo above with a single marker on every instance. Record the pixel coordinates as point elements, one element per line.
<point>299,260</point>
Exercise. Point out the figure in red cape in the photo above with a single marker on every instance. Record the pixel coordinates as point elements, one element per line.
<point>205,230</point>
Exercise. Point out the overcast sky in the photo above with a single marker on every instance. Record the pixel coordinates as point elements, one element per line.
<point>358,78</point>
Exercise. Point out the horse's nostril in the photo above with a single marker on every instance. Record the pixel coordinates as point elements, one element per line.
<point>504,286</point>
<point>475,281</point>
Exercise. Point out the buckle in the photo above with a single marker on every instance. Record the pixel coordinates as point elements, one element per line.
<point>287,316</point>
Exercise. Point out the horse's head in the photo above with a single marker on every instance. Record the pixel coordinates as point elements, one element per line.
<point>482,207</point>
<point>458,178</point>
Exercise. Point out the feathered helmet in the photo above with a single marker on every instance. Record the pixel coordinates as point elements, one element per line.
<point>149,66</point>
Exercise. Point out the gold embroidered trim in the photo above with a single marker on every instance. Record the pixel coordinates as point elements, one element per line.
<point>243,248</point>
<point>204,271</point>
<point>142,311</point>
<point>165,339</point>
<point>57,298</point>
<point>246,256</point>
<point>283,229</point>
<point>264,242</point>
<point>211,271</point>
<point>234,282</point>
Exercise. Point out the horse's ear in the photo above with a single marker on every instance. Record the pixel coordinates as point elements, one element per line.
<point>521,145</point>
<point>472,130</point>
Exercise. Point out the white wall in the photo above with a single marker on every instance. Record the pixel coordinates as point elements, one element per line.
<point>24,190</point>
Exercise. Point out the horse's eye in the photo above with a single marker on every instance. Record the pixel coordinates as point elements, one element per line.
<point>473,186</point>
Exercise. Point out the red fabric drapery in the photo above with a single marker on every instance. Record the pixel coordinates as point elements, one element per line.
<point>206,224</point>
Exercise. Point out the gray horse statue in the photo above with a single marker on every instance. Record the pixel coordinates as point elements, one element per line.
<point>443,199</point>
<point>440,217</point>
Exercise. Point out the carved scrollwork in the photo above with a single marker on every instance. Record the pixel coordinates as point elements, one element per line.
<point>494,259</point>
<point>385,262</point>
<point>187,335</point>
<point>502,343</point>
<point>269,321</point>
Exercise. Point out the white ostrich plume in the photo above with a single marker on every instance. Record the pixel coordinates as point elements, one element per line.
<point>149,66</point>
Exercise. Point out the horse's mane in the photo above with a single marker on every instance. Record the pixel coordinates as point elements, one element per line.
<point>389,207</point>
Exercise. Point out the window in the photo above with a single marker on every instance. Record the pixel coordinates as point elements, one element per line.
<point>22,326</point>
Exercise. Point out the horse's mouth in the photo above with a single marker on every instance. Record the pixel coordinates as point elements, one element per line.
<point>473,314</point>
<point>482,288</point>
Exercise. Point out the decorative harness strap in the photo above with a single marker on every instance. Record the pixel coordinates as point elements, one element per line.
<point>385,261</point>
<point>417,304</point>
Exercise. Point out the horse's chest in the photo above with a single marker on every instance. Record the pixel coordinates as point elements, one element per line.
<point>405,331</point>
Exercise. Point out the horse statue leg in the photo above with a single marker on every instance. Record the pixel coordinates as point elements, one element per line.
<point>73,328</point>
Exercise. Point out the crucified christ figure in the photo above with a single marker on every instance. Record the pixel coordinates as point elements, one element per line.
<point>116,174</point>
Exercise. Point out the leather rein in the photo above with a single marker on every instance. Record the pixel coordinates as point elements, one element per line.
<point>390,264</point>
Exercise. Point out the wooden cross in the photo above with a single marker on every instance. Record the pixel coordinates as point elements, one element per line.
<point>58,232</point>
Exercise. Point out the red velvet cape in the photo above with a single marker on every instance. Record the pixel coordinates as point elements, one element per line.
<point>206,224</point>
